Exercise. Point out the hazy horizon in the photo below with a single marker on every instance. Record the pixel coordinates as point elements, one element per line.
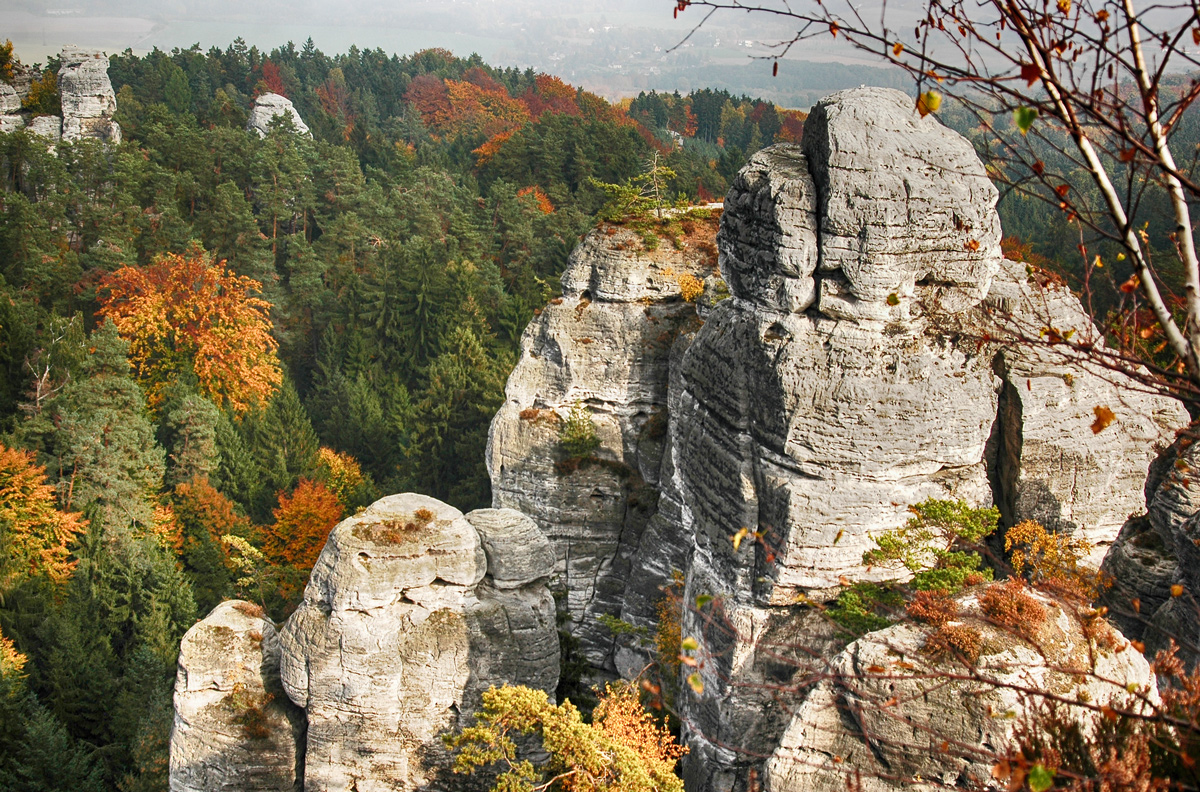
<point>614,47</point>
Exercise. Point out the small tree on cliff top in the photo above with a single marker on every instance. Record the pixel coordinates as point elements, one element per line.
<point>1089,82</point>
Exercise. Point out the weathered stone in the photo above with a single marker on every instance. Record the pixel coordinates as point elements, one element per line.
<point>47,126</point>
<point>884,707</point>
<point>396,638</point>
<point>234,729</point>
<point>12,123</point>
<point>604,344</point>
<point>88,101</point>
<point>518,553</point>
<point>269,106</point>
<point>10,101</point>
<point>768,236</point>
<point>904,205</point>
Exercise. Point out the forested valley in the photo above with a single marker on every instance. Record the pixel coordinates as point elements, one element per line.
<point>215,346</point>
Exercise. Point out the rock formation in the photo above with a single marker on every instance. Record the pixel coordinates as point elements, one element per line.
<point>234,727</point>
<point>846,725</point>
<point>605,344</point>
<point>88,101</point>
<point>877,350</point>
<point>402,627</point>
<point>267,107</point>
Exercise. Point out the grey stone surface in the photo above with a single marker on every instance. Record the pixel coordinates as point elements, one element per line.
<point>88,101</point>
<point>269,105</point>
<point>905,206</point>
<point>10,101</point>
<point>518,553</point>
<point>235,730</point>
<point>606,344</point>
<point>48,127</point>
<point>879,714</point>
<point>12,123</point>
<point>396,636</point>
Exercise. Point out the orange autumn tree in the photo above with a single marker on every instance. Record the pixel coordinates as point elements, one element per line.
<point>303,521</point>
<point>35,537</point>
<point>187,313</point>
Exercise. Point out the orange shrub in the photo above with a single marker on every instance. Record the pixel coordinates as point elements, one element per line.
<point>933,607</point>
<point>303,521</point>
<point>1009,605</point>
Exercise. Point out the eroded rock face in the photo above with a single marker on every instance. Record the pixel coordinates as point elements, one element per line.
<point>606,344</point>
<point>845,724</point>
<point>234,727</point>
<point>267,107</point>
<point>48,127</point>
<point>400,630</point>
<point>10,101</point>
<point>905,207</point>
<point>88,101</point>
<point>815,430</point>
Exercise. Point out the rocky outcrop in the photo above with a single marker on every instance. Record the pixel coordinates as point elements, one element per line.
<point>919,370</point>
<point>876,350</point>
<point>269,106</point>
<point>234,729</point>
<point>888,710</point>
<point>48,127</point>
<point>605,344</point>
<point>400,630</point>
<point>88,101</point>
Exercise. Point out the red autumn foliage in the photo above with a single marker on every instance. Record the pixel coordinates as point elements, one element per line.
<point>271,79</point>
<point>542,200</point>
<point>303,521</point>
<point>791,126</point>
<point>199,507</point>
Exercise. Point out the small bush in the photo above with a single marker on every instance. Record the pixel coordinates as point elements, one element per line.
<point>1052,561</point>
<point>937,544</point>
<point>1009,605</point>
<point>423,517</point>
<point>577,436</point>
<point>690,287</point>
<point>934,607</point>
<point>955,642</point>
<point>863,608</point>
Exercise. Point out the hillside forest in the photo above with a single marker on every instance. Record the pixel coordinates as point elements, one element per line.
<point>215,346</point>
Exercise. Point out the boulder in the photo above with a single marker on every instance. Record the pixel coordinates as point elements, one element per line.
<point>88,101</point>
<point>885,709</point>
<point>234,729</point>
<point>398,634</point>
<point>267,107</point>
<point>905,207</point>
<point>12,123</point>
<point>518,553</point>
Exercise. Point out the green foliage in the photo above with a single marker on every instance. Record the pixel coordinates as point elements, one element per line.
<point>577,433</point>
<point>936,543</point>
<point>865,607</point>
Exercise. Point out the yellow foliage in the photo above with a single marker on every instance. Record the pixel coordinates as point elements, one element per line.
<point>690,287</point>
<point>1052,560</point>
<point>37,536</point>
<point>12,662</point>
<point>343,474</point>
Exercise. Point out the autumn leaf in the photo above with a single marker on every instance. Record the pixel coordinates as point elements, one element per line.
<point>893,300</point>
<point>703,600</point>
<point>689,644</point>
<point>1065,7</point>
<point>897,49</point>
<point>739,536</point>
<point>1128,154</point>
<point>1177,590</point>
<point>1030,73</point>
<point>1104,419</point>
<point>696,683</point>
<point>928,102</point>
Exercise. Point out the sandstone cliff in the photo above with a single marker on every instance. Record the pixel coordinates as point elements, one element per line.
<point>88,101</point>
<point>234,727</point>
<point>864,362</point>
<point>605,344</point>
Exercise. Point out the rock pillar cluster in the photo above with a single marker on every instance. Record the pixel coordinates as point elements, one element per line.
<point>411,612</point>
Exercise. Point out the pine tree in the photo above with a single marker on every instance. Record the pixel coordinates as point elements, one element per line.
<point>95,440</point>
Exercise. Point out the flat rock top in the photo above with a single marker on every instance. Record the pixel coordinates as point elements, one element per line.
<point>518,553</point>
